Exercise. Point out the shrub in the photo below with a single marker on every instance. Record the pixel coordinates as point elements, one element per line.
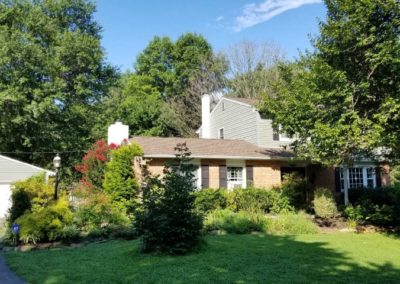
<point>379,206</point>
<point>95,211</point>
<point>32,193</point>
<point>119,181</point>
<point>210,199</point>
<point>241,222</point>
<point>46,223</point>
<point>291,224</point>
<point>294,188</point>
<point>325,204</point>
<point>168,221</point>
<point>94,163</point>
<point>258,199</point>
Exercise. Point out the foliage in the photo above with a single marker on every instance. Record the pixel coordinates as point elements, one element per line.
<point>119,180</point>
<point>380,206</point>
<point>52,77</point>
<point>210,199</point>
<point>324,203</point>
<point>45,223</point>
<point>258,199</point>
<point>291,224</point>
<point>242,222</point>
<point>168,221</point>
<point>93,164</point>
<point>95,211</point>
<point>395,176</point>
<point>294,188</point>
<point>30,194</point>
<point>341,101</point>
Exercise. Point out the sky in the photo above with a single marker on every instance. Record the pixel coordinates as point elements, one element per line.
<point>129,25</point>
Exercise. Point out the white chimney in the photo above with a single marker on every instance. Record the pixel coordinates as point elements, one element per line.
<point>117,133</point>
<point>205,116</point>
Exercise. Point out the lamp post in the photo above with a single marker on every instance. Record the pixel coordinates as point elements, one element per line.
<point>57,165</point>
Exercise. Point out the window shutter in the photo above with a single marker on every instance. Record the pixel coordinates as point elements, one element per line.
<point>249,176</point>
<point>337,179</point>
<point>222,176</point>
<point>378,177</point>
<point>205,176</point>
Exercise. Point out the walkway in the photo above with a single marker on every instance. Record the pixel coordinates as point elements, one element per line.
<point>6,275</point>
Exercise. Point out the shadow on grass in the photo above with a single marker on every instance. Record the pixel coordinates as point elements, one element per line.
<point>226,259</point>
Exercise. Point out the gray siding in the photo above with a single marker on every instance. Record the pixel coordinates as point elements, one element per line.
<point>238,120</point>
<point>265,134</point>
<point>12,170</point>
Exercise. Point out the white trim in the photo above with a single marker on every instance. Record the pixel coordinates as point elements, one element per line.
<point>29,165</point>
<point>230,100</point>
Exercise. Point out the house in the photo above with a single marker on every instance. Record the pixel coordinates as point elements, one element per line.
<point>12,170</point>
<point>237,147</point>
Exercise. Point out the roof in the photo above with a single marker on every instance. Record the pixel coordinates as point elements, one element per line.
<point>247,101</point>
<point>12,170</point>
<point>164,147</point>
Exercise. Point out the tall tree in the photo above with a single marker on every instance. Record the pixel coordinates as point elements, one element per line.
<point>52,76</point>
<point>342,100</point>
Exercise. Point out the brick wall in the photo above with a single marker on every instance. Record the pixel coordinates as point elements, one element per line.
<point>320,176</point>
<point>266,173</point>
<point>213,171</point>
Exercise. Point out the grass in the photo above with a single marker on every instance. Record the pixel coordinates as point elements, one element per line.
<point>257,258</point>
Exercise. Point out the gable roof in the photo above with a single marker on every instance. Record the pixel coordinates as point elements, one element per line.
<point>247,101</point>
<point>163,147</point>
<point>12,170</point>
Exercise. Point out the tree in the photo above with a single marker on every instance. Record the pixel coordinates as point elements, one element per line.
<point>168,221</point>
<point>52,77</point>
<point>253,68</point>
<point>341,101</point>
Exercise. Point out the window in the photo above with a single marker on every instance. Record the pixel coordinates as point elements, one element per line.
<point>275,133</point>
<point>359,177</point>
<point>235,174</point>
<point>278,136</point>
<point>221,133</point>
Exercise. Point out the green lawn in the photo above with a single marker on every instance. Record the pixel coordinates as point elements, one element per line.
<point>321,258</point>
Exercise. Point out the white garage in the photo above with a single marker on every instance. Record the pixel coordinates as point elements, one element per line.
<point>12,170</point>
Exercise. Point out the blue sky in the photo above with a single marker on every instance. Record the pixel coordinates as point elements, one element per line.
<point>130,24</point>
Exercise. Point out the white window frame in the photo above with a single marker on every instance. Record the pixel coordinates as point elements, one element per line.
<point>364,176</point>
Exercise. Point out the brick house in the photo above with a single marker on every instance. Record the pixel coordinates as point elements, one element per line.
<point>237,147</point>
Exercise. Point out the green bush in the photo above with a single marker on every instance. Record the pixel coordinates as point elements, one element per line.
<point>30,194</point>
<point>294,188</point>
<point>46,223</point>
<point>95,211</point>
<point>241,222</point>
<point>325,204</point>
<point>119,180</point>
<point>210,199</point>
<point>380,206</point>
<point>290,224</point>
<point>258,199</point>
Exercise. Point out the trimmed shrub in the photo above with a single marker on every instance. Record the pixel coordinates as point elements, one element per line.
<point>325,204</point>
<point>210,199</point>
<point>119,180</point>
<point>45,224</point>
<point>241,222</point>
<point>258,200</point>
<point>291,224</point>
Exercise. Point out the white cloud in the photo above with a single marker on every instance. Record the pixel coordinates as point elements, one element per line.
<point>253,14</point>
<point>219,19</point>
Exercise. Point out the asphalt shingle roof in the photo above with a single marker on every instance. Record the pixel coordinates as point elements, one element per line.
<point>163,147</point>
